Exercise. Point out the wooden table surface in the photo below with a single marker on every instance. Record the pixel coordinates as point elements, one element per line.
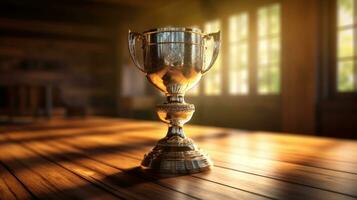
<point>98,158</point>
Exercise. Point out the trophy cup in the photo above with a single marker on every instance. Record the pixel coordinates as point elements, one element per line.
<point>174,61</point>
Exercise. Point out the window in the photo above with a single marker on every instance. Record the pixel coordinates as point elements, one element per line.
<point>268,49</point>
<point>213,79</point>
<point>346,46</point>
<point>238,54</point>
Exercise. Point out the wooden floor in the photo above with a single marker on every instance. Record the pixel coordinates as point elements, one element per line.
<point>98,158</point>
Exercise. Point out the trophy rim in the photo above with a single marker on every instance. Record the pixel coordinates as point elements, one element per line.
<point>174,29</point>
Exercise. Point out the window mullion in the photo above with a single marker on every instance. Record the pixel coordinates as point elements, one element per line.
<point>252,57</point>
<point>225,57</point>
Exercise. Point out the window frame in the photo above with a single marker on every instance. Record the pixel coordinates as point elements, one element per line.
<point>329,81</point>
<point>269,37</point>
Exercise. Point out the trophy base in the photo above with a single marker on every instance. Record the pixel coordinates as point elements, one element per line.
<point>176,155</point>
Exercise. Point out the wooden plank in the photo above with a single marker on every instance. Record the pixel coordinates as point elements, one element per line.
<point>262,185</point>
<point>305,160</point>
<point>287,143</point>
<point>261,149</point>
<point>112,179</point>
<point>256,165</point>
<point>305,175</point>
<point>10,187</point>
<point>309,176</point>
<point>151,187</point>
<point>48,180</point>
<point>281,140</point>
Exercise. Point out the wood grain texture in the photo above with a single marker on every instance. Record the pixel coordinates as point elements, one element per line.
<point>98,158</point>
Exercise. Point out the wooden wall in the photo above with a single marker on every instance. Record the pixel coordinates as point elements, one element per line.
<point>69,47</point>
<point>300,62</point>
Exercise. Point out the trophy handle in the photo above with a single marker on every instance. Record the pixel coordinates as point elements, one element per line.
<point>217,43</point>
<point>132,38</point>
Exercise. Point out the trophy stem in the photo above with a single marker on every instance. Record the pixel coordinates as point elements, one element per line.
<point>175,130</point>
<point>176,153</point>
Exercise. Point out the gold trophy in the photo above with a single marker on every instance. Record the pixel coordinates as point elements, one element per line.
<point>174,62</point>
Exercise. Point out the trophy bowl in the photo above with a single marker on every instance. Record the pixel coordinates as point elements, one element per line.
<point>173,60</point>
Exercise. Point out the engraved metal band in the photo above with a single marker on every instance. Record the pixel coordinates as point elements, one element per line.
<point>175,107</point>
<point>190,43</point>
<point>163,31</point>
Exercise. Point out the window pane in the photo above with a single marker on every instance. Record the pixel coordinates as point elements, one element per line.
<point>233,56</point>
<point>269,49</point>
<point>238,54</point>
<point>274,19</point>
<point>213,79</point>
<point>238,27</point>
<point>263,52</point>
<point>195,91</point>
<point>346,80</point>
<point>263,21</point>
<point>269,79</point>
<point>275,49</point>
<point>274,78</point>
<point>345,43</point>
<point>263,80</point>
<point>238,71</point>
<point>345,12</point>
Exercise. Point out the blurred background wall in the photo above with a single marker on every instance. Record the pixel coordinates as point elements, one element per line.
<point>287,66</point>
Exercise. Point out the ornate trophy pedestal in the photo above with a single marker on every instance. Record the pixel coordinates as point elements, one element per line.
<point>176,153</point>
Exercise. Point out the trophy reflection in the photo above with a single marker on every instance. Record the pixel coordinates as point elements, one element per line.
<point>174,62</point>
